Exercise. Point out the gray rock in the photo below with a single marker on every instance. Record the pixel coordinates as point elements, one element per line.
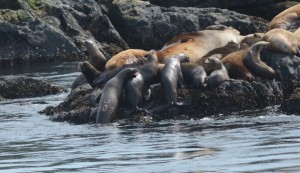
<point>147,26</point>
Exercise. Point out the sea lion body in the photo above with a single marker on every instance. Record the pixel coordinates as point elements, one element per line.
<point>89,72</point>
<point>126,57</point>
<point>197,44</point>
<point>194,75</point>
<point>282,41</point>
<point>96,58</point>
<point>253,63</point>
<point>109,102</point>
<point>288,19</point>
<point>140,85</point>
<point>235,66</point>
<point>219,75</point>
<point>219,53</point>
<point>252,39</point>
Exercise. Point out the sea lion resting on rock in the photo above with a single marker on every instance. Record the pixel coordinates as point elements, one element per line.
<point>171,76</point>
<point>140,85</point>
<point>197,44</point>
<point>219,75</point>
<point>235,66</point>
<point>288,19</point>
<point>253,63</point>
<point>109,102</point>
<point>283,41</point>
<point>126,57</point>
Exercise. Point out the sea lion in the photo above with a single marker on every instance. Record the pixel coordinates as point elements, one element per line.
<point>288,19</point>
<point>171,76</point>
<point>219,75</point>
<point>282,41</point>
<point>96,57</point>
<point>194,75</point>
<point>139,86</point>
<point>126,57</point>
<point>253,63</point>
<point>109,102</point>
<point>235,66</point>
<point>197,44</point>
<point>219,53</point>
<point>89,72</point>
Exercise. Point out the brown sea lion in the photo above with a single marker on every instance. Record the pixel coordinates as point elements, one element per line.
<point>89,72</point>
<point>139,86</point>
<point>197,44</point>
<point>288,19</point>
<point>96,58</point>
<point>112,92</point>
<point>126,57</point>
<point>252,39</point>
<point>282,41</point>
<point>253,63</point>
<point>235,66</point>
<point>219,75</point>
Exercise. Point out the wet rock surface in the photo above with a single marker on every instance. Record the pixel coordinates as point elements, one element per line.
<point>13,87</point>
<point>292,104</point>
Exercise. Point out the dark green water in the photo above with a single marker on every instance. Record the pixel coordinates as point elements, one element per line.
<point>261,141</point>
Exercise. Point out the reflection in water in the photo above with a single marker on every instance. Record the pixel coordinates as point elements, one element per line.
<point>258,141</point>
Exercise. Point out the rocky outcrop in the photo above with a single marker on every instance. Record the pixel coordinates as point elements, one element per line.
<point>231,96</point>
<point>12,87</point>
<point>52,30</point>
<point>148,27</point>
<point>266,9</point>
<point>291,105</point>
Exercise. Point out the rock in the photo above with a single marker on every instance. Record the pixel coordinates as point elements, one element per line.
<point>252,7</point>
<point>147,26</point>
<point>291,105</point>
<point>13,87</point>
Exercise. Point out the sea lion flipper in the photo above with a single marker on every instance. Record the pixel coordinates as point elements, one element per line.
<point>95,95</point>
<point>79,80</point>
<point>147,94</point>
<point>93,114</point>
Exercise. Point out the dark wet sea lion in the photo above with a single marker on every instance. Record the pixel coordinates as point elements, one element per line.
<point>219,75</point>
<point>139,86</point>
<point>171,76</point>
<point>126,57</point>
<point>235,66</point>
<point>194,75</point>
<point>252,61</point>
<point>112,92</point>
<point>89,72</point>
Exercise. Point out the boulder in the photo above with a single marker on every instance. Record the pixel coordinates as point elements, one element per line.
<point>291,104</point>
<point>13,87</point>
<point>147,26</point>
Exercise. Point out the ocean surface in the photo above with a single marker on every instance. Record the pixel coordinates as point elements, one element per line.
<point>256,141</point>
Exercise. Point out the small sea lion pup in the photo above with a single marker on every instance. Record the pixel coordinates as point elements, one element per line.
<point>139,86</point>
<point>252,61</point>
<point>194,75</point>
<point>288,19</point>
<point>171,76</point>
<point>219,75</point>
<point>219,53</point>
<point>112,92</point>
<point>126,57</point>
<point>282,41</point>
<point>235,66</point>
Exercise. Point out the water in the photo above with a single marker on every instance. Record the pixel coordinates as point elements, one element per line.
<point>261,141</point>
